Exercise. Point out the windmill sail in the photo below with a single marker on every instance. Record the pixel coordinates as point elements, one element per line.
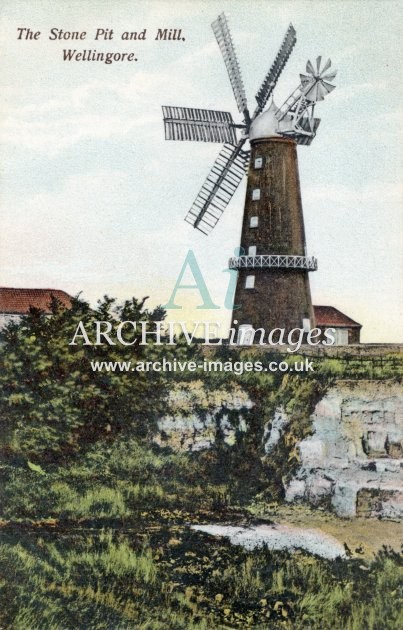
<point>218,188</point>
<point>294,119</point>
<point>202,125</point>
<point>276,69</point>
<point>224,40</point>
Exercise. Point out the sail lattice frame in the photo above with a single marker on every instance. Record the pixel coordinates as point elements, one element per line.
<point>218,188</point>
<point>202,125</point>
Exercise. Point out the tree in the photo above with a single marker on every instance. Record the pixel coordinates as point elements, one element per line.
<point>53,403</point>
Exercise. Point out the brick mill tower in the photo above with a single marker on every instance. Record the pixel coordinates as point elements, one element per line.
<point>273,285</point>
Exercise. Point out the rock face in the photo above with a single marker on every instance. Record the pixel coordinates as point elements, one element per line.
<point>353,460</point>
<point>198,432</point>
<point>200,418</point>
<point>272,436</point>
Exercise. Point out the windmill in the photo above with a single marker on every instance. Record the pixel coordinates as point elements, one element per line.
<point>273,286</point>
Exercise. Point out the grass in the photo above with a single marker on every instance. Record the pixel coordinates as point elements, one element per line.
<point>183,580</point>
<point>92,582</point>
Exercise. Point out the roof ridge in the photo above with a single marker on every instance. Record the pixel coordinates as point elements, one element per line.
<point>32,289</point>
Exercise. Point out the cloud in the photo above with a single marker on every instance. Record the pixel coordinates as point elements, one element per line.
<point>94,109</point>
<point>374,193</point>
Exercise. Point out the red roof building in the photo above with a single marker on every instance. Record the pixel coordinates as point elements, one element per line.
<point>347,330</point>
<point>16,302</point>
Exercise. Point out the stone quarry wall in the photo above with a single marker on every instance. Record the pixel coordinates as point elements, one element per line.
<point>353,459</point>
<point>351,463</point>
<point>199,417</point>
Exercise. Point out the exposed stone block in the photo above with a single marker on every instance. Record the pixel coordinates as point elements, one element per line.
<point>388,465</point>
<point>394,446</point>
<point>374,443</point>
<point>319,489</point>
<point>312,452</point>
<point>295,490</point>
<point>273,434</point>
<point>389,417</point>
<point>344,500</point>
<point>372,502</point>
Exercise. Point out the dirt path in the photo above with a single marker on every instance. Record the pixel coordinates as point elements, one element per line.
<point>364,537</point>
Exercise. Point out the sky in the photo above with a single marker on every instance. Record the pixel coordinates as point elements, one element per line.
<point>93,199</point>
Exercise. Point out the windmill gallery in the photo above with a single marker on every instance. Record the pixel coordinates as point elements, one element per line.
<point>272,289</point>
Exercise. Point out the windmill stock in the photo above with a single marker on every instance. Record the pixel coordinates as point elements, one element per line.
<point>273,286</point>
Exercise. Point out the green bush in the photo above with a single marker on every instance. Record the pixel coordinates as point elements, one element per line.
<point>52,404</point>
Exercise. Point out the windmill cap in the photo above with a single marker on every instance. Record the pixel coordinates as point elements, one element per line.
<point>265,125</point>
